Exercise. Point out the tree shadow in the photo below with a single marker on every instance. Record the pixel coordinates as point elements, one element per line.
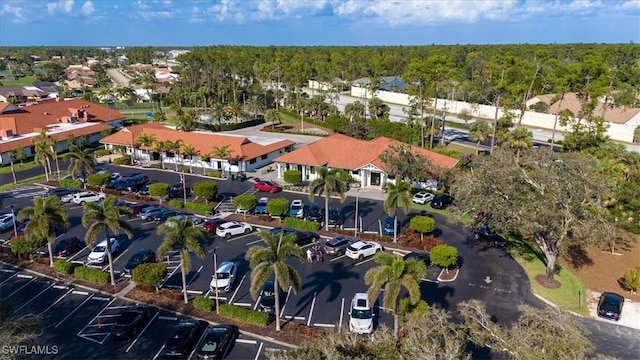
<point>320,280</point>
<point>435,294</point>
<point>578,257</point>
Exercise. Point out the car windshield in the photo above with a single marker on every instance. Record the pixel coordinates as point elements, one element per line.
<point>608,306</point>
<point>126,318</point>
<point>223,275</point>
<point>351,248</point>
<point>100,249</point>
<point>135,260</point>
<point>268,294</point>
<point>361,314</point>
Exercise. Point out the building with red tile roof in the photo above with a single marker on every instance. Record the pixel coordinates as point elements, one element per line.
<point>246,153</point>
<point>360,157</point>
<point>610,112</point>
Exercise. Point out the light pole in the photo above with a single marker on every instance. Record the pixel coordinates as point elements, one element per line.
<point>184,188</point>
<point>444,115</point>
<point>15,227</point>
<point>355,233</point>
<point>215,279</point>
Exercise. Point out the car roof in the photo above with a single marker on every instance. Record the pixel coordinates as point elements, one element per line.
<point>229,223</point>
<point>2,216</point>
<point>142,251</point>
<point>360,244</point>
<point>338,239</point>
<point>225,266</point>
<point>296,201</point>
<point>612,297</point>
<point>359,298</point>
<point>104,242</point>
<point>263,199</point>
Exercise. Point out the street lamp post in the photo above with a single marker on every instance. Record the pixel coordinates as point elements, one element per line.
<point>184,188</point>
<point>355,233</point>
<point>15,227</point>
<point>444,115</point>
<point>215,279</point>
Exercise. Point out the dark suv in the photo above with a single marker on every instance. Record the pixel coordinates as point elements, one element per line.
<point>610,306</point>
<point>338,245</point>
<point>176,191</point>
<point>441,201</point>
<point>484,233</point>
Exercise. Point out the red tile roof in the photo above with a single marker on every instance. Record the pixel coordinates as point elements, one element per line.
<point>615,114</point>
<point>344,152</point>
<point>18,142</point>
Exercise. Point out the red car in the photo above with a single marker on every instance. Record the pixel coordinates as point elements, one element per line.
<point>266,185</point>
<point>211,225</point>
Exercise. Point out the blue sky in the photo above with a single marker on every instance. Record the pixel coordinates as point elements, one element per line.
<point>316,22</point>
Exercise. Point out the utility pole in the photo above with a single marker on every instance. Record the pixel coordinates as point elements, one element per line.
<point>495,125</point>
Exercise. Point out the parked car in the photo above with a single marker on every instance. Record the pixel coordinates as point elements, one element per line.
<point>98,254</point>
<point>432,185</point>
<point>424,257</point>
<point>362,249</point>
<point>182,339</point>
<point>60,192</point>
<point>68,197</point>
<point>225,276</point>
<point>150,214</point>
<point>164,215</point>
<point>261,206</point>
<point>67,247</point>
<point>389,226</point>
<point>131,321</point>
<point>87,197</point>
<point>217,341</point>
<point>422,197</point>
<point>144,189</point>
<point>360,315</point>
<point>336,217</point>
<point>266,185</point>
<point>142,256</point>
<point>195,220</point>
<point>138,208</point>
<point>441,201</point>
<point>302,237</point>
<point>115,176</point>
<point>315,213</point>
<point>6,221</point>
<point>178,191</point>
<point>338,245</point>
<point>20,228</point>
<point>494,239</point>
<point>210,225</point>
<point>268,297</point>
<point>296,209</point>
<point>610,306</point>
<point>232,228</point>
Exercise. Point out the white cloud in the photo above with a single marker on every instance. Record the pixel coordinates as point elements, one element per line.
<point>63,5</point>
<point>87,8</point>
<point>17,13</point>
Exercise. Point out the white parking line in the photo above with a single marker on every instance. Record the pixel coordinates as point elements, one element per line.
<point>80,292</point>
<point>158,353</point>
<point>194,277</point>
<point>147,222</point>
<point>100,298</point>
<point>76,207</point>
<point>170,275</point>
<point>242,304</point>
<point>57,301</point>
<point>219,297</point>
<point>133,219</point>
<point>170,318</point>
<point>257,302</point>
<point>78,253</point>
<point>114,260</point>
<point>324,325</point>
<point>364,261</point>
<point>295,317</point>
<point>118,307</point>
<point>313,304</point>
<point>240,237</point>
<point>71,313</point>
<point>33,298</point>
<point>96,317</point>
<point>7,270</point>
<point>341,314</point>
<point>61,287</point>
<point>9,278</point>
<point>140,334</point>
<point>20,288</point>
<point>337,258</point>
<point>237,288</point>
<point>285,301</point>
<point>259,351</point>
<point>23,276</point>
<point>246,341</point>
<point>255,242</point>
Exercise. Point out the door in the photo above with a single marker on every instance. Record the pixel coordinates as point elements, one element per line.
<point>375,178</point>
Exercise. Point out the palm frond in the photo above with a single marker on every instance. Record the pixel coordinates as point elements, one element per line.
<point>259,276</point>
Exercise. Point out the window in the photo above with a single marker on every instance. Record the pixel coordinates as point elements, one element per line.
<point>312,169</point>
<point>355,172</point>
<point>252,161</point>
<point>264,157</point>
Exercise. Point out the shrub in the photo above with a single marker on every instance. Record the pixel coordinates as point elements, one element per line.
<point>150,274</point>
<point>301,224</point>
<point>278,206</point>
<point>183,169</point>
<point>71,184</point>
<point>632,279</point>
<point>21,246</point>
<point>203,303</point>
<point>245,201</point>
<point>124,160</point>
<point>159,189</point>
<point>444,255</point>
<point>112,192</point>
<point>102,152</point>
<point>63,266</point>
<point>245,315</point>
<point>206,189</point>
<point>176,203</point>
<point>155,166</point>
<point>422,224</point>
<point>98,179</point>
<point>96,276</point>
<point>214,174</point>
<point>202,209</point>
<point>292,176</point>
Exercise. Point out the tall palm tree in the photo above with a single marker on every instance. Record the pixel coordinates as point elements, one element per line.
<point>189,151</point>
<point>393,274</point>
<point>222,152</point>
<point>520,139</point>
<point>105,217</point>
<point>43,153</point>
<point>146,140</point>
<point>272,260</point>
<point>398,195</point>
<point>235,110</point>
<point>254,106</point>
<point>479,132</point>
<point>175,147</point>
<point>326,184</point>
<point>53,151</point>
<point>13,169</point>
<point>181,235</point>
<point>160,147</point>
<point>81,162</point>
<point>218,111</point>
<point>46,216</point>
<point>19,154</point>
<point>272,116</point>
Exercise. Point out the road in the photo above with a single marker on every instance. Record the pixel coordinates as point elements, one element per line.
<point>118,77</point>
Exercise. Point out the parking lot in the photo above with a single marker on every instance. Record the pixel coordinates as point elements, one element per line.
<point>78,321</point>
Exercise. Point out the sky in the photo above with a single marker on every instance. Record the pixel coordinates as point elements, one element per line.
<point>316,22</point>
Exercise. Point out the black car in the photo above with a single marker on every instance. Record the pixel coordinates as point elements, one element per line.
<point>217,341</point>
<point>126,185</point>
<point>338,245</point>
<point>60,192</point>
<point>302,237</point>
<point>144,189</point>
<point>610,306</point>
<point>182,339</point>
<point>131,321</point>
<point>164,215</point>
<point>441,201</point>
<point>494,239</point>
<point>68,246</point>
<point>424,257</point>
<point>177,191</point>
<point>336,217</point>
<point>141,256</point>
<point>315,213</point>
<point>268,297</point>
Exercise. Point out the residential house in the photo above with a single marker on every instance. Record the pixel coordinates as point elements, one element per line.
<point>246,154</point>
<point>360,157</point>
<point>57,118</point>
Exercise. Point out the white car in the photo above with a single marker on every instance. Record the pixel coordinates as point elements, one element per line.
<point>297,209</point>
<point>99,255</point>
<point>232,228</point>
<point>195,220</point>
<point>362,249</point>
<point>225,276</point>
<point>87,197</point>
<point>422,197</point>
<point>68,198</point>
<point>6,221</point>
<point>360,315</point>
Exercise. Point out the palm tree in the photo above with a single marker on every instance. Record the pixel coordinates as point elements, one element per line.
<point>520,139</point>
<point>46,216</point>
<point>235,110</point>
<point>43,152</point>
<point>19,154</point>
<point>81,162</point>
<point>223,152</point>
<point>186,121</point>
<point>398,195</point>
<point>160,147</point>
<point>189,151</point>
<point>218,111</point>
<point>272,260</point>
<point>146,140</point>
<point>327,183</point>
<point>106,216</point>
<point>272,116</point>
<point>184,237</point>
<point>354,110</point>
<point>175,147</point>
<point>13,169</point>
<point>254,106</point>
<point>479,132</point>
<point>393,274</point>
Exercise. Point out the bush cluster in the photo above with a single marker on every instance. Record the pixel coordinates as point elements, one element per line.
<point>159,189</point>
<point>176,203</point>
<point>183,169</point>
<point>278,206</point>
<point>124,160</point>
<point>102,152</point>
<point>71,184</point>
<point>96,276</point>
<point>203,303</point>
<point>155,166</point>
<point>63,266</point>
<point>214,174</point>
<point>301,224</point>
<point>98,179</point>
<point>293,176</point>
<point>201,209</point>
<point>245,315</point>
<point>245,201</point>
<point>413,239</point>
<point>149,274</point>
<point>206,189</point>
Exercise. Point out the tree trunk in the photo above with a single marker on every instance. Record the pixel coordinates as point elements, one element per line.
<point>162,160</point>
<point>495,126</point>
<point>326,210</point>
<point>13,171</point>
<point>48,167</point>
<point>396,326</point>
<point>277,298</point>
<point>184,280</point>
<point>50,253</point>
<point>477,148</point>
<point>113,277</point>
<point>191,164</point>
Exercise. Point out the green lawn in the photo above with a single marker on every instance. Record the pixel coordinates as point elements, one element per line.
<point>18,166</point>
<point>429,209</point>
<point>461,148</point>
<point>31,180</point>
<point>288,119</point>
<point>27,80</point>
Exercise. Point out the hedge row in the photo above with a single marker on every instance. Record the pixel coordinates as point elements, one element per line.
<point>229,127</point>
<point>301,224</point>
<point>202,209</point>
<point>124,160</point>
<point>176,203</point>
<point>71,184</point>
<point>203,303</point>
<point>102,152</point>
<point>63,266</point>
<point>245,315</point>
<point>214,174</point>
<point>150,274</point>
<point>293,176</point>
<point>92,275</point>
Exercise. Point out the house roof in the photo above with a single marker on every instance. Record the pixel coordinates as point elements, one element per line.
<point>344,152</point>
<point>611,113</point>
<point>241,147</point>
<point>59,134</point>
